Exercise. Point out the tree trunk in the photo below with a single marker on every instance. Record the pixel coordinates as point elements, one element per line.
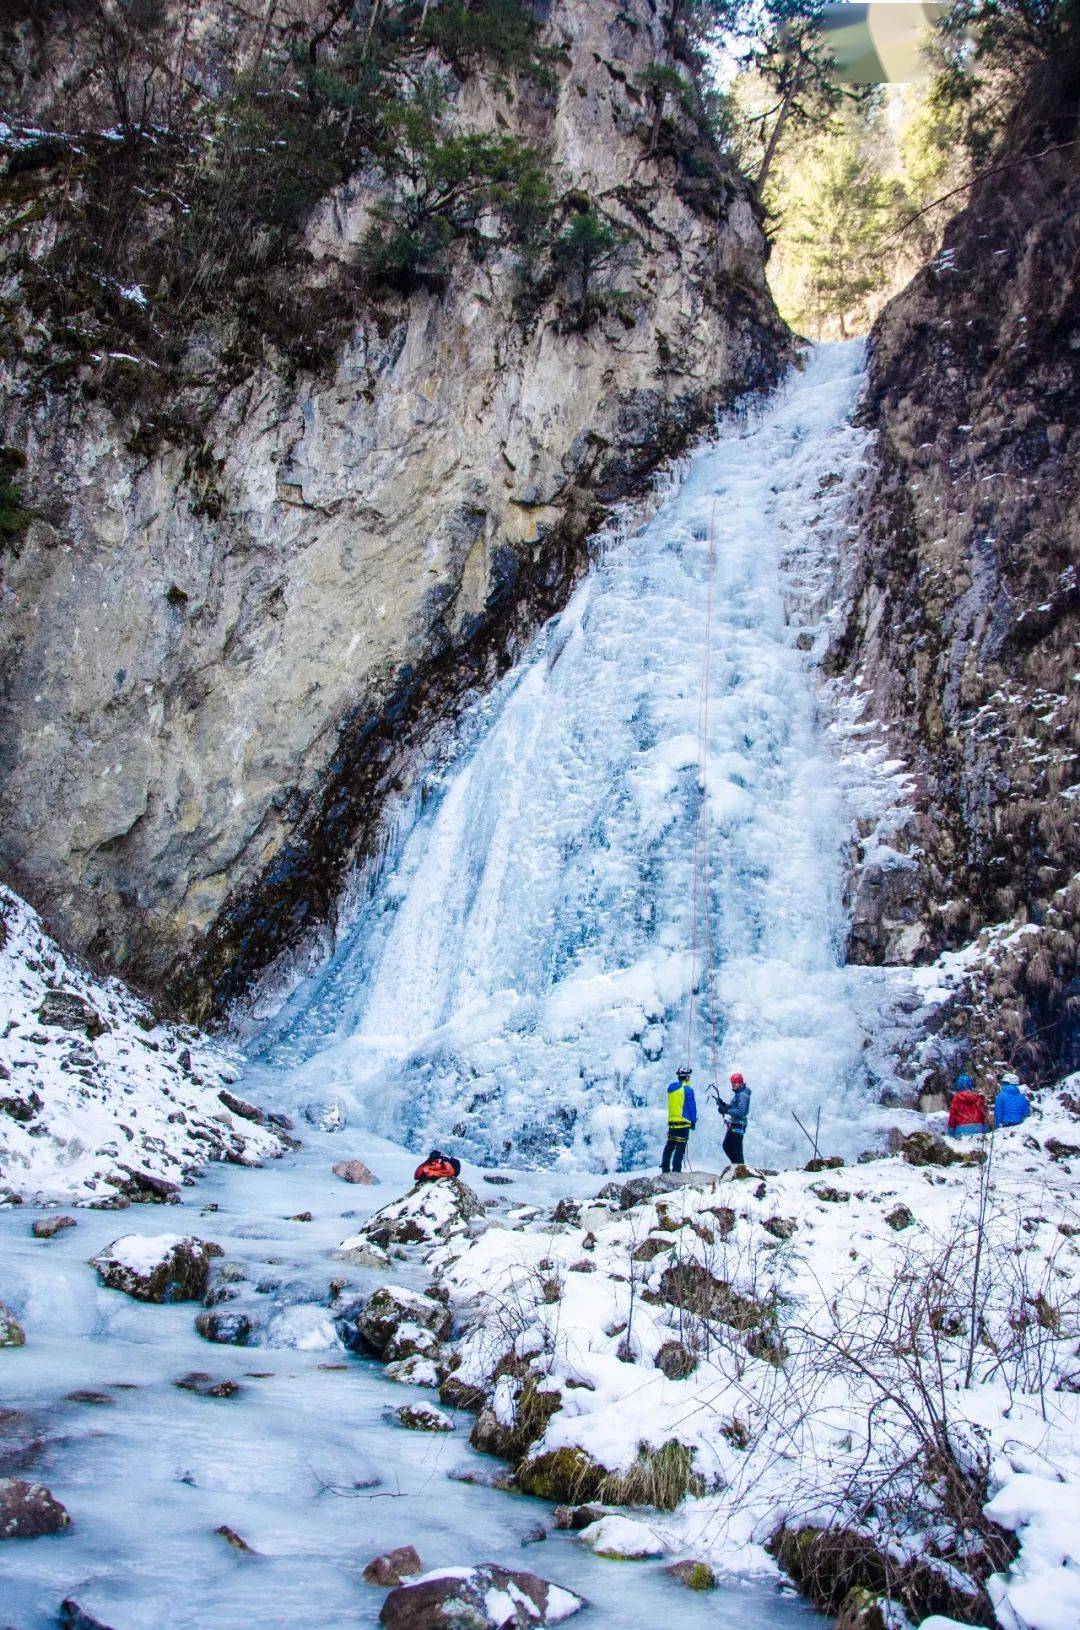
<point>774,141</point>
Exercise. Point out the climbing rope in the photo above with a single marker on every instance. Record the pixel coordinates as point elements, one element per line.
<point>700,880</point>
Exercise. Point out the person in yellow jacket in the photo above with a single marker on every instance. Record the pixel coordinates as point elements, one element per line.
<point>681,1120</point>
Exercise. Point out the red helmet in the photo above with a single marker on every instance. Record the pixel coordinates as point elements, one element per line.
<point>737,1080</point>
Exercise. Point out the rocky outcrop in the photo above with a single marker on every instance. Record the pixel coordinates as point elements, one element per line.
<point>962,624</point>
<point>221,660</point>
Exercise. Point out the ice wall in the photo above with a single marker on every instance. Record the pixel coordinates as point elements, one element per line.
<point>517,985</point>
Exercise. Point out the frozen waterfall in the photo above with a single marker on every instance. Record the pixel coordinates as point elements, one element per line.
<point>515,986</point>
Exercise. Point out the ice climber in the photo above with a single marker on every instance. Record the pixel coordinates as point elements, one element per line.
<point>1010,1106</point>
<point>736,1113</point>
<point>681,1120</point>
<point>967,1111</point>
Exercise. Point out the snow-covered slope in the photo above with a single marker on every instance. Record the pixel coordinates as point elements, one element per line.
<point>92,1090</point>
<point>520,978</point>
<point>888,1351</point>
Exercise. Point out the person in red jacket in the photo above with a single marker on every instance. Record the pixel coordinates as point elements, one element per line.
<point>967,1111</point>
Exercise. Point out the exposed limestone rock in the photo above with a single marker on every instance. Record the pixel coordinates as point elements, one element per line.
<point>962,619</point>
<point>157,1267</point>
<point>375,538</point>
<point>49,1227</point>
<point>28,1510</point>
<point>353,1171</point>
<point>393,1567</point>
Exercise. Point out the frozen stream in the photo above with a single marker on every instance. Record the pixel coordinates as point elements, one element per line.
<point>516,984</point>
<point>301,1462</point>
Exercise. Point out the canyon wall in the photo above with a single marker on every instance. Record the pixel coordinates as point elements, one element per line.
<point>219,660</point>
<point>961,626</point>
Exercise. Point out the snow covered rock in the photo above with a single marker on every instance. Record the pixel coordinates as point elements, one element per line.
<point>393,1567</point>
<point>624,1539</point>
<point>327,1114</point>
<point>28,1510</point>
<point>394,1322</point>
<point>95,1097</point>
<point>157,1267</point>
<point>71,1011</point>
<point>11,1331</point>
<point>486,1597</point>
<point>353,1171</point>
<point>423,1418</point>
<point>429,1211</point>
<point>361,1253</point>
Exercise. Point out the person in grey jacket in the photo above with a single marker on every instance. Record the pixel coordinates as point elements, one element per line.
<point>737,1113</point>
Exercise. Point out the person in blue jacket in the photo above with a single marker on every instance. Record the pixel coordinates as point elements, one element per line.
<point>737,1113</point>
<point>1010,1105</point>
<point>681,1120</point>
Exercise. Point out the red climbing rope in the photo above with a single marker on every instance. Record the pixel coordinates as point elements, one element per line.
<point>700,889</point>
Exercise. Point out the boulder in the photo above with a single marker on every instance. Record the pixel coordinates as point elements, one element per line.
<point>49,1227</point>
<point>623,1539</point>
<point>157,1267</point>
<point>146,1189</point>
<point>576,1517</point>
<point>694,1575</point>
<point>70,1011</point>
<point>393,1567</point>
<point>353,1171</point>
<point>423,1418</point>
<point>361,1253</point>
<point>429,1211</point>
<point>418,1370</point>
<point>198,1381</point>
<point>226,1327</point>
<point>824,1163</point>
<point>696,1290</point>
<point>28,1510</point>
<point>927,1149</point>
<point>781,1228</point>
<point>486,1597</point>
<point>640,1189</point>
<point>241,1107</point>
<point>651,1248</point>
<point>459,1394</point>
<point>900,1217</point>
<point>394,1322</point>
<point>830,1195</point>
<point>11,1331</point>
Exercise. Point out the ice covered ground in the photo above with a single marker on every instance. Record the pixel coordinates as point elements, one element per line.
<point>303,1461</point>
<point>93,1088</point>
<point>517,983</point>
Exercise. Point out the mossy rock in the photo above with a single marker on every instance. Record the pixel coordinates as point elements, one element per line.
<point>694,1575</point>
<point>660,1477</point>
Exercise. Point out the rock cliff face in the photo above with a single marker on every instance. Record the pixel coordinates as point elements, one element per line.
<point>962,625</point>
<point>216,666</point>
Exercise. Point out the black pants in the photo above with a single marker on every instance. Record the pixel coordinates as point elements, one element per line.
<point>733,1147</point>
<point>674,1149</point>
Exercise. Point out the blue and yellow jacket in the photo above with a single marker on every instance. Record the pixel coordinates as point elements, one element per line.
<point>681,1107</point>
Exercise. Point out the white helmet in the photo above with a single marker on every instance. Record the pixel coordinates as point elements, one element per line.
<point>1010,1079</point>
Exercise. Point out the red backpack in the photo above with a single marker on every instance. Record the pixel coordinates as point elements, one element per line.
<point>436,1165</point>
